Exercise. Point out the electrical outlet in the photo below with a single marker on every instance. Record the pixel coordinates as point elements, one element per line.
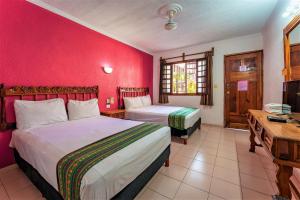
<point>215,86</point>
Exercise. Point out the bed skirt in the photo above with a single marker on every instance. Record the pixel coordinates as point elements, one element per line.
<point>129,192</point>
<point>186,132</point>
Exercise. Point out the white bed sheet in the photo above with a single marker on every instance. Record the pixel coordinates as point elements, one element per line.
<point>159,114</point>
<point>44,146</point>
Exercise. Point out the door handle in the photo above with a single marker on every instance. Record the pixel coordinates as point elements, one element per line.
<point>227,92</point>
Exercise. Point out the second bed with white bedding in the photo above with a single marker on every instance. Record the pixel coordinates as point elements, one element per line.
<point>160,114</point>
<point>44,146</point>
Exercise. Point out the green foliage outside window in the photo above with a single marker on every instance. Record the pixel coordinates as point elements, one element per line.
<point>184,78</point>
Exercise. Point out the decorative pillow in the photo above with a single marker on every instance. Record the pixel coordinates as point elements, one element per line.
<point>83,109</point>
<point>146,100</point>
<point>132,102</point>
<point>31,114</point>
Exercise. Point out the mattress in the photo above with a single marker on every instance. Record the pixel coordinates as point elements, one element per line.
<point>44,146</point>
<point>159,114</point>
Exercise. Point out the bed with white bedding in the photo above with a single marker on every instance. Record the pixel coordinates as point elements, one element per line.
<point>159,114</point>
<point>44,146</point>
<point>46,134</point>
<point>137,103</point>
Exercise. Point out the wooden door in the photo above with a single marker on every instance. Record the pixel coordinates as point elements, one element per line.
<point>243,87</point>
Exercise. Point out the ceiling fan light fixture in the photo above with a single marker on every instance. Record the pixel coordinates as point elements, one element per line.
<point>170,11</point>
<point>171,25</point>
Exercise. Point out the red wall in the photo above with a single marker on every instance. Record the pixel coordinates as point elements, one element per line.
<point>38,47</point>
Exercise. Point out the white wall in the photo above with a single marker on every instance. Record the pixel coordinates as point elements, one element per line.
<point>274,56</point>
<point>273,53</point>
<point>214,114</point>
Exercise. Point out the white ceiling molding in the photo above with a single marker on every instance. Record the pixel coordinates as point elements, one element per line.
<point>57,11</point>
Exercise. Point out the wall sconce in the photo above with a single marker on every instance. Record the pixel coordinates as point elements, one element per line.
<point>107,69</point>
<point>109,101</point>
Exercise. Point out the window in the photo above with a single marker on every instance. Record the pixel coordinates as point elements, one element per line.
<point>179,79</point>
<point>166,80</point>
<point>185,78</point>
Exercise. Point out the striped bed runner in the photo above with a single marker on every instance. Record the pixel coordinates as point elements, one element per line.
<point>72,167</point>
<point>177,118</point>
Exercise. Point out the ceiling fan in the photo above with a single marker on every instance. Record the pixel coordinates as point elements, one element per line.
<point>170,11</point>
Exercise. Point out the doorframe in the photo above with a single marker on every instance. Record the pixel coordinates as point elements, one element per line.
<point>261,77</point>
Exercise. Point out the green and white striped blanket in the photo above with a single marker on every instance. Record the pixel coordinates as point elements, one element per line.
<point>72,167</point>
<point>177,118</point>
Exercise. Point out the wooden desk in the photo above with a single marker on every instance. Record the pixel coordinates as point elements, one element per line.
<point>282,142</point>
<point>120,113</point>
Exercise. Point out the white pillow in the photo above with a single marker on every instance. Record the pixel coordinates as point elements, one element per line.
<point>31,114</point>
<point>132,102</point>
<point>146,100</point>
<point>83,109</point>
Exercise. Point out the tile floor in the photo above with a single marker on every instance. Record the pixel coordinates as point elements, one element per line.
<point>216,164</point>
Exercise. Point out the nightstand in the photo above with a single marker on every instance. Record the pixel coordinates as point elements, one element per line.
<point>120,113</point>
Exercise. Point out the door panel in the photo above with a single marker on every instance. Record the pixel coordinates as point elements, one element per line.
<point>233,98</point>
<point>243,87</point>
<point>295,61</point>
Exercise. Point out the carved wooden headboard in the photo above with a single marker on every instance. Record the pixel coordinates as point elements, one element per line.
<point>9,94</point>
<point>130,92</point>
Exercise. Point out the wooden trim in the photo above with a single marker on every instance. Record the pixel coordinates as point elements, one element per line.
<point>295,21</point>
<point>185,76</point>
<point>44,90</point>
<point>187,55</point>
<point>171,82</point>
<point>133,89</point>
<point>185,61</point>
<point>184,94</point>
<point>287,71</point>
<point>295,44</point>
<point>241,53</point>
<point>225,96</point>
<point>34,91</point>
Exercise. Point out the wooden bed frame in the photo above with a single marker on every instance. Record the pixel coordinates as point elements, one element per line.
<point>142,91</point>
<point>9,94</point>
<point>130,92</point>
<point>39,93</point>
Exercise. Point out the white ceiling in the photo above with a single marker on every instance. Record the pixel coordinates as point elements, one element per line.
<point>136,22</point>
